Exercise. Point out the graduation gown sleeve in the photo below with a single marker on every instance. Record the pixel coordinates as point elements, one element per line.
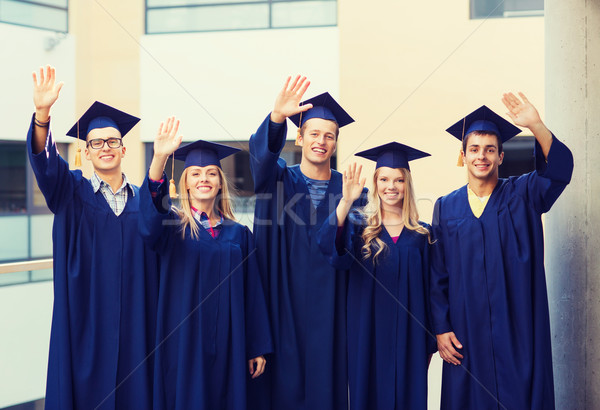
<point>153,214</point>
<point>54,179</point>
<point>339,247</point>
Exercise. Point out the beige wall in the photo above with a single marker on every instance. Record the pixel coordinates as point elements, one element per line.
<point>107,35</point>
<point>409,70</point>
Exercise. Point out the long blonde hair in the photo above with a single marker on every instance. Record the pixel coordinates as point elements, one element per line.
<point>223,203</point>
<point>374,217</point>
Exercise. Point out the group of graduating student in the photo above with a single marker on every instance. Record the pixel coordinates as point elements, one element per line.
<point>336,300</point>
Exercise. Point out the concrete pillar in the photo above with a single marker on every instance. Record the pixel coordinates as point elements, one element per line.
<point>573,225</point>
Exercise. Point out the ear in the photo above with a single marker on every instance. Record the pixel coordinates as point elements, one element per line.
<point>87,153</point>
<point>501,157</point>
<point>123,149</point>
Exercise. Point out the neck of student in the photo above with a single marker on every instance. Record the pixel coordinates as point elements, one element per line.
<point>392,214</point>
<point>315,171</point>
<point>114,177</point>
<point>204,205</point>
<point>392,219</point>
<point>483,187</point>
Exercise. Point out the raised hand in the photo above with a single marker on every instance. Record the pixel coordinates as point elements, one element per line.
<point>288,100</point>
<point>352,187</point>
<point>45,91</point>
<point>524,114</point>
<point>352,183</point>
<point>521,111</point>
<point>167,141</point>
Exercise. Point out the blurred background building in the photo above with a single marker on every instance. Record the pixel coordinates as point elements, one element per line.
<point>404,70</point>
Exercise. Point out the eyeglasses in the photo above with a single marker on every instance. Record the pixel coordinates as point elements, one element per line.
<point>98,143</point>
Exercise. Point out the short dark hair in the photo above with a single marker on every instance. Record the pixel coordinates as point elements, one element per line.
<point>337,129</point>
<point>466,138</point>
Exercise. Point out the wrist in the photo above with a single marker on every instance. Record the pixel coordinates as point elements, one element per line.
<point>161,157</point>
<point>42,114</point>
<point>277,117</point>
<point>538,126</point>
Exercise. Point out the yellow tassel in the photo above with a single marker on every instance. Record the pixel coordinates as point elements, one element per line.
<point>78,157</point>
<point>460,162</point>
<point>172,189</point>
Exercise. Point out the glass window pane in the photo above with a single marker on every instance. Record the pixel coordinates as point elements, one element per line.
<point>14,278</point>
<point>14,246</point>
<point>42,274</point>
<point>208,18</point>
<point>41,236</point>
<point>13,189</point>
<point>55,3</point>
<point>33,15</point>
<point>506,8</point>
<point>171,3</point>
<point>304,13</point>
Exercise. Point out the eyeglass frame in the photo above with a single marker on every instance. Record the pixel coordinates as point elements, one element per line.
<point>104,142</point>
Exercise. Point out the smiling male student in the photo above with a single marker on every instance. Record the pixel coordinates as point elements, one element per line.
<point>105,279</point>
<point>488,289</point>
<point>305,296</point>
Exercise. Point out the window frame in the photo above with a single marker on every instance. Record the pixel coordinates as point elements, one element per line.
<point>40,4</point>
<point>234,3</point>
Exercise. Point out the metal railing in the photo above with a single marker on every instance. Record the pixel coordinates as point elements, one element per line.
<point>26,266</point>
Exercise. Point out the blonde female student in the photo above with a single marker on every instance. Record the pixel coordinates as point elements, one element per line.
<point>386,250</point>
<point>212,323</point>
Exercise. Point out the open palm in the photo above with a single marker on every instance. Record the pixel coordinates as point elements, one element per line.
<point>45,88</point>
<point>288,100</point>
<point>352,183</point>
<point>167,141</point>
<point>521,111</point>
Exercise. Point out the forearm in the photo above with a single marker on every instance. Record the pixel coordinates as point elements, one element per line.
<point>543,136</point>
<point>40,134</point>
<point>342,211</point>
<point>157,167</point>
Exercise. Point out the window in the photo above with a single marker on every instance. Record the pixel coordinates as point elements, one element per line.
<point>177,16</point>
<point>43,14</point>
<point>506,8</point>
<point>518,157</point>
<point>13,191</point>
<point>23,210</point>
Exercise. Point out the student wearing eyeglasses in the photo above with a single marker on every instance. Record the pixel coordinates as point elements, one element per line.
<point>105,278</point>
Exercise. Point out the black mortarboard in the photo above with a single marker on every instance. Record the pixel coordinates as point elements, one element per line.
<point>203,153</point>
<point>324,106</point>
<point>100,115</point>
<point>393,155</point>
<point>484,119</point>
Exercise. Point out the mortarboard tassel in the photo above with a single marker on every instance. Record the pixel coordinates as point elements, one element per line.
<point>461,162</point>
<point>172,187</point>
<point>78,153</point>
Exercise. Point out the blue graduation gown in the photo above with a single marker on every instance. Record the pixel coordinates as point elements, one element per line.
<point>105,294</point>
<point>212,315</point>
<point>305,297</point>
<point>489,288</point>
<point>389,336</point>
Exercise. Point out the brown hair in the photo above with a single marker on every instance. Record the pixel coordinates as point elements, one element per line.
<point>466,138</point>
